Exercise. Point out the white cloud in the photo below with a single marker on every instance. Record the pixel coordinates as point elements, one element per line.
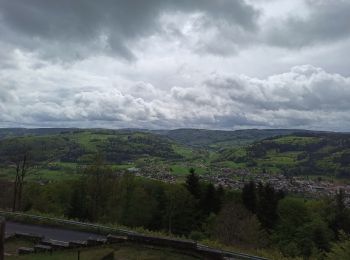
<point>161,64</point>
<point>304,97</point>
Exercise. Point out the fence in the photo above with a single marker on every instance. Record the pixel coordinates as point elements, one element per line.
<point>136,237</point>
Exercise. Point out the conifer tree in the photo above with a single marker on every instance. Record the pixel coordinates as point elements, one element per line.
<point>193,185</point>
<point>249,196</point>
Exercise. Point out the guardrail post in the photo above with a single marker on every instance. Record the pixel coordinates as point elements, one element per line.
<point>2,238</point>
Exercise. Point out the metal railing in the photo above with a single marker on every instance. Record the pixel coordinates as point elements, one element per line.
<point>100,228</point>
<point>67,222</point>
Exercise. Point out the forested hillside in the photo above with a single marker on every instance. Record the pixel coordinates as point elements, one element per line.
<point>298,154</point>
<point>288,152</point>
<point>175,184</point>
<point>218,139</point>
<point>16,132</point>
<point>192,137</point>
<point>82,146</point>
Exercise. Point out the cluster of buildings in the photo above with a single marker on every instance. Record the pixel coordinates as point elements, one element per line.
<point>235,179</point>
<point>151,173</point>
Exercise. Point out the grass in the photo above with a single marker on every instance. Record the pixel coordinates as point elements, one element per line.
<point>12,245</point>
<point>300,140</point>
<point>180,169</point>
<point>230,164</point>
<point>183,151</point>
<point>68,171</point>
<point>122,166</point>
<point>6,173</point>
<point>89,140</point>
<point>232,143</point>
<point>42,174</point>
<point>240,152</point>
<point>326,163</point>
<point>64,171</point>
<point>52,175</point>
<point>279,159</point>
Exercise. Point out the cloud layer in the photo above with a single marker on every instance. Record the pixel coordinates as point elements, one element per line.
<point>304,97</point>
<point>106,26</point>
<point>168,64</point>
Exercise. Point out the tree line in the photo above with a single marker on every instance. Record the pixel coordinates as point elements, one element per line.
<point>259,216</point>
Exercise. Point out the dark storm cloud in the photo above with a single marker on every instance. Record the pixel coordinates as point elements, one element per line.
<point>75,29</point>
<point>326,21</point>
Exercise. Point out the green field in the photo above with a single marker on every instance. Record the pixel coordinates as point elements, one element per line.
<point>64,155</point>
<point>318,154</point>
<point>297,140</point>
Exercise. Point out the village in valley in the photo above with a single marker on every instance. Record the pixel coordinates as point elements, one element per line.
<point>237,178</point>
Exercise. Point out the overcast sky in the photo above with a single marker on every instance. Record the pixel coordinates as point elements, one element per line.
<point>217,64</point>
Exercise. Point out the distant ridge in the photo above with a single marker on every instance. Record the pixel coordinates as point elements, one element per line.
<point>185,136</point>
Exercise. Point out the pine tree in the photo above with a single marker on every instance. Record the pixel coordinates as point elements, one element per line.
<point>267,205</point>
<point>220,195</point>
<point>193,185</point>
<point>341,215</point>
<point>209,200</point>
<point>249,196</point>
<point>77,205</point>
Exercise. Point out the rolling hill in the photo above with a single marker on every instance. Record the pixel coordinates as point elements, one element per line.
<point>61,151</point>
<point>326,154</point>
<point>83,145</point>
<point>218,139</point>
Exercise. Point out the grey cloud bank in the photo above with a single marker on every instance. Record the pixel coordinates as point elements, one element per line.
<point>326,21</point>
<point>106,26</point>
<point>171,64</point>
<point>305,97</point>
